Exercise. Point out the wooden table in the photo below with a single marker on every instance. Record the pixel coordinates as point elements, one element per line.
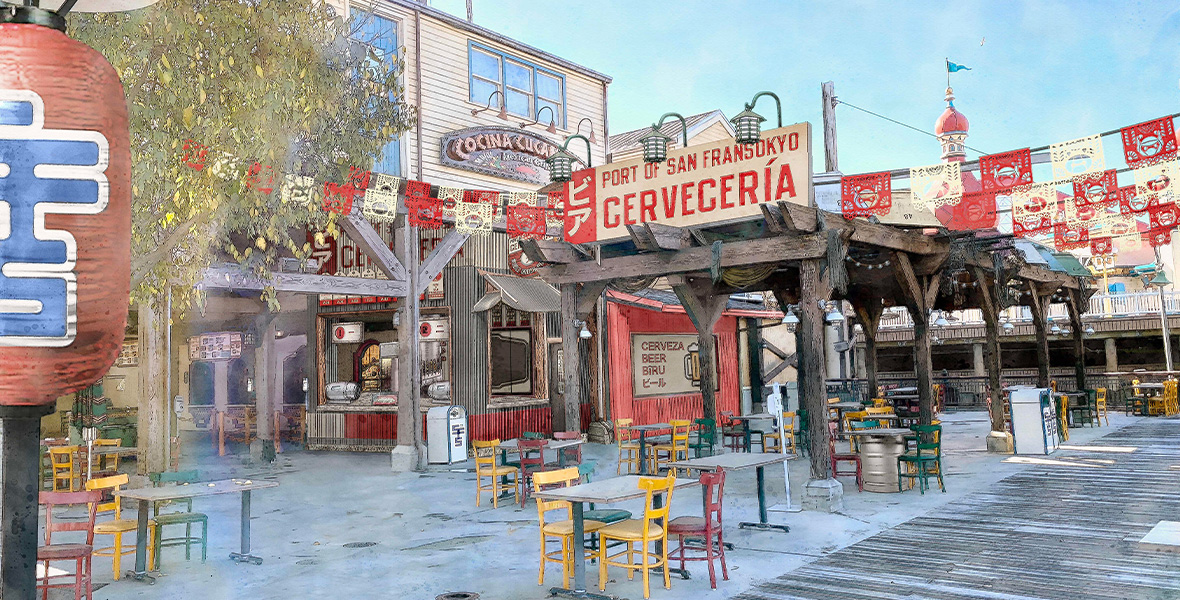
<point>146,496</point>
<point>514,444</point>
<point>879,449</point>
<point>603,491</point>
<point>745,419</point>
<point>643,429</point>
<point>737,461</point>
<point>92,451</point>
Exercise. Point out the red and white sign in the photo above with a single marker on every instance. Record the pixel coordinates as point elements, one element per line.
<point>433,329</point>
<point>348,333</point>
<point>710,183</point>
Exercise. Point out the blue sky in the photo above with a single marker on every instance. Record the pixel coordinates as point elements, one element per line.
<point>1047,71</point>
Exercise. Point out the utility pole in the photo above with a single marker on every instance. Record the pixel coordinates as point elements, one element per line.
<point>828,92</point>
<point>470,14</point>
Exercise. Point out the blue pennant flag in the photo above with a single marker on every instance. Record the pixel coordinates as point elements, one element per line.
<point>953,68</point>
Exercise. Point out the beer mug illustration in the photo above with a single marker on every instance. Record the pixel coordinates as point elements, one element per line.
<point>692,364</point>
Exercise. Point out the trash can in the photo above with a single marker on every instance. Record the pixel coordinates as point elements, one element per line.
<point>446,434</point>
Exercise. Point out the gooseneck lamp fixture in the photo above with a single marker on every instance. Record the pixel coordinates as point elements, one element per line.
<point>503,109</point>
<point>941,321</point>
<point>655,142</point>
<point>552,128</point>
<point>790,319</point>
<point>747,124</point>
<point>579,129</point>
<point>834,315</point>
<point>561,163</point>
<point>584,332</point>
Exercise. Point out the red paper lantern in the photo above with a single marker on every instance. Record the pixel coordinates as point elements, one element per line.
<point>67,181</point>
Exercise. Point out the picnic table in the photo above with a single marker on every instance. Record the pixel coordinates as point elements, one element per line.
<point>736,461</point>
<point>146,496</point>
<point>643,430</point>
<point>879,449</point>
<point>603,491</point>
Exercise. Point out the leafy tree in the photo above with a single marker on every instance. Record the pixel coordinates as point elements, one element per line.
<point>261,83</point>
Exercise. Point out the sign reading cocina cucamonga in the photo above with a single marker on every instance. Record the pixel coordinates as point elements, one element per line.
<point>65,214</point>
<point>710,183</point>
<point>499,151</point>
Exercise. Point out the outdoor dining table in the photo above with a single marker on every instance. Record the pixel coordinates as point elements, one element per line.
<point>92,451</point>
<point>603,491</point>
<point>736,461</point>
<point>513,444</point>
<point>146,496</point>
<point>1155,389</point>
<point>643,430</point>
<point>879,449</point>
<point>745,419</point>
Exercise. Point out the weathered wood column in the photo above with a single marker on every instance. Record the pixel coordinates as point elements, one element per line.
<point>1038,305</point>
<point>919,293</point>
<point>153,394</point>
<point>868,312</point>
<point>823,491</point>
<point>1074,306</point>
<point>576,302</point>
<point>999,440</point>
<point>410,453</point>
<point>704,306</point>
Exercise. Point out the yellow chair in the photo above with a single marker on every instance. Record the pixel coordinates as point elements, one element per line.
<point>106,463</point>
<point>643,532</point>
<point>1062,416</point>
<point>875,412</point>
<point>771,440</point>
<point>1162,404</point>
<point>850,416</point>
<point>1100,405</point>
<point>1172,406</point>
<point>667,454</point>
<point>62,461</point>
<point>881,403</point>
<point>117,526</point>
<point>562,530</point>
<point>628,451</point>
<point>485,466</point>
<point>833,413</point>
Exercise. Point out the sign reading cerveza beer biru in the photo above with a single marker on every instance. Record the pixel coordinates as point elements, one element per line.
<point>500,152</point>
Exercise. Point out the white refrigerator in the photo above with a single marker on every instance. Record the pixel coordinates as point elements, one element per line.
<point>1034,421</point>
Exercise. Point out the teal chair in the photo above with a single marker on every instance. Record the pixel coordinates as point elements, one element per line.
<point>803,443</point>
<point>925,458</point>
<point>706,439</point>
<point>602,515</point>
<point>185,517</point>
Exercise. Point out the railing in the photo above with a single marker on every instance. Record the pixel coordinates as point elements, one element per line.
<point>1112,305</point>
<point>970,392</point>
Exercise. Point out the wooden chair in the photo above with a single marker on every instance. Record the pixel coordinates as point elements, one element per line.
<point>773,439</point>
<point>571,456</point>
<point>64,463</point>
<point>706,528</point>
<point>104,465</point>
<point>1100,405</point>
<point>117,526</point>
<point>240,423</point>
<point>1171,405</point>
<point>1161,404</point>
<point>706,441</point>
<point>80,554</point>
<point>918,466</point>
<point>531,458</point>
<point>1136,403</point>
<point>733,436</point>
<point>666,454</point>
<point>643,532</point>
<point>833,413</point>
<point>628,450</point>
<point>562,530</point>
<point>855,415</point>
<point>845,457</point>
<point>485,466</point>
<point>187,517</point>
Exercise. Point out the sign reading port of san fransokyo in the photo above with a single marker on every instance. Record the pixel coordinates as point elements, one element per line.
<point>707,184</point>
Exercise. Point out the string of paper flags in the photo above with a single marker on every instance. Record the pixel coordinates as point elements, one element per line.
<point>1094,213</point>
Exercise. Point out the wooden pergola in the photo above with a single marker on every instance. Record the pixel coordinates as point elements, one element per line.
<point>800,254</point>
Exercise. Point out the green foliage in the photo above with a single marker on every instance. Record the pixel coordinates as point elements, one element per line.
<point>276,82</point>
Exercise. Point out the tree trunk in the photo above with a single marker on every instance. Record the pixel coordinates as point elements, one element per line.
<point>1039,307</point>
<point>1079,342</point>
<point>923,368</point>
<point>871,362</point>
<point>152,416</point>
<point>811,368</point>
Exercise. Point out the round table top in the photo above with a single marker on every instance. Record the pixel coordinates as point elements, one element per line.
<point>882,431</point>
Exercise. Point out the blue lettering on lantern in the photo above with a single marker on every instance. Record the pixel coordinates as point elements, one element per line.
<point>42,172</point>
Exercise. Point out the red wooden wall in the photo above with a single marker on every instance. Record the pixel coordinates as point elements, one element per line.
<point>623,320</point>
<point>500,424</point>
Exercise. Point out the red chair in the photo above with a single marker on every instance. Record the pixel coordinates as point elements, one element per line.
<point>532,460</point>
<point>733,436</point>
<point>572,455</point>
<point>706,528</point>
<point>850,457</point>
<point>79,553</point>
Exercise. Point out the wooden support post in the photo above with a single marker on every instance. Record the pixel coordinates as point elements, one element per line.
<point>991,319</point>
<point>868,312</point>
<point>812,288</point>
<point>577,300</point>
<point>754,350</point>
<point>828,93</point>
<point>704,306</point>
<point>1039,307</point>
<point>410,453</point>
<point>1074,304</point>
<point>919,293</point>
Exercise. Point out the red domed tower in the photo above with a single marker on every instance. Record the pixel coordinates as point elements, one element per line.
<point>951,129</point>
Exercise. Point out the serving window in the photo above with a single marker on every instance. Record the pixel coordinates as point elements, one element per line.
<point>516,351</point>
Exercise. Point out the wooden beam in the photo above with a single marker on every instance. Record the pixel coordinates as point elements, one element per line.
<point>990,308</point>
<point>704,307</point>
<point>438,258</point>
<point>775,350</point>
<point>232,277</point>
<point>735,254</point>
<point>361,232</point>
<point>668,237</point>
<point>1038,306</point>
<point>642,238</point>
<point>773,218</point>
<point>864,232</point>
<point>557,252</point>
<point>813,392</point>
<point>531,250</point>
<point>588,297</point>
<point>868,312</point>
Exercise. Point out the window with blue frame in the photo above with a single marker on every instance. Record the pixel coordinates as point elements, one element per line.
<point>527,88</point>
<point>380,35</point>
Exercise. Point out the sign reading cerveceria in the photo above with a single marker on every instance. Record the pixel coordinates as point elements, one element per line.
<point>710,183</point>
<point>500,152</point>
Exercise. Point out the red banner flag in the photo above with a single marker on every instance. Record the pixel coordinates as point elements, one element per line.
<point>555,208</point>
<point>423,211</point>
<point>1096,189</point>
<point>976,211</point>
<point>1101,246</point>
<point>417,189</point>
<point>1149,142</point>
<point>1070,238</point>
<point>1131,202</point>
<point>1159,237</point>
<point>1005,170</point>
<point>526,221</point>
<point>1163,216</point>
<point>338,198</point>
<point>261,178</point>
<point>865,195</point>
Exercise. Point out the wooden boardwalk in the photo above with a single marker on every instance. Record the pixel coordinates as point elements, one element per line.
<point>1065,531</point>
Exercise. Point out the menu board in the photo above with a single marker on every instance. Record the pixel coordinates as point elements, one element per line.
<point>223,345</point>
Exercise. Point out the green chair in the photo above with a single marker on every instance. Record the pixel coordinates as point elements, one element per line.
<point>803,443</point>
<point>706,438</point>
<point>927,454</point>
<point>186,517</point>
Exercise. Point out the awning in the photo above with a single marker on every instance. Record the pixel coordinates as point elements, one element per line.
<point>527,295</point>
